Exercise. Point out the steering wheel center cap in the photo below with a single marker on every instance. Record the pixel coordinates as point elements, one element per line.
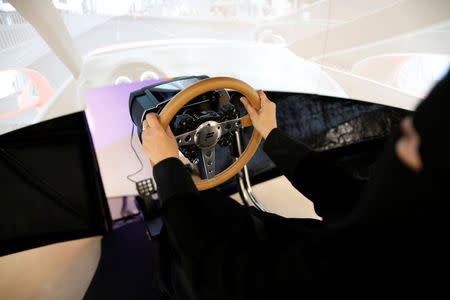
<point>207,134</point>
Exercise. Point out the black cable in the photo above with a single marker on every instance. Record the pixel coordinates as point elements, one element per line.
<point>135,152</point>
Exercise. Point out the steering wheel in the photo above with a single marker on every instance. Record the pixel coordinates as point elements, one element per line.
<point>206,136</point>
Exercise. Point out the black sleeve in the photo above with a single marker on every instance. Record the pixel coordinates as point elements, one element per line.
<point>218,264</point>
<point>286,153</point>
<point>172,179</point>
<point>182,209</point>
<point>314,174</point>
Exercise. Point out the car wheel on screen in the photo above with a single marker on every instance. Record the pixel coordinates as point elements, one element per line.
<point>122,79</point>
<point>148,75</point>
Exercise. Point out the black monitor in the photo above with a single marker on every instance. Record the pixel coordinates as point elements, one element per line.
<point>51,189</point>
<point>154,97</point>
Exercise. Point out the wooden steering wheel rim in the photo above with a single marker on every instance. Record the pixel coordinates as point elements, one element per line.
<point>206,85</point>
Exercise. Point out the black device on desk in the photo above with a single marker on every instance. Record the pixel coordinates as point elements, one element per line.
<point>149,206</point>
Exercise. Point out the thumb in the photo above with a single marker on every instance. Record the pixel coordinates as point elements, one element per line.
<point>251,111</point>
<point>153,121</point>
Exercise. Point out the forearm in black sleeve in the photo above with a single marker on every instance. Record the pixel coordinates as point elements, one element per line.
<point>182,211</point>
<point>219,265</point>
<point>286,153</point>
<point>314,174</point>
<point>194,226</point>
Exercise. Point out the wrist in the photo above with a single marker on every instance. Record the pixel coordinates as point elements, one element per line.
<point>266,133</point>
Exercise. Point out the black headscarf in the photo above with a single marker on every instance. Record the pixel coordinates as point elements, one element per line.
<point>398,198</point>
<point>399,230</point>
<point>432,121</point>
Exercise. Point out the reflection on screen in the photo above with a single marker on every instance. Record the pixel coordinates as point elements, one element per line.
<point>175,85</point>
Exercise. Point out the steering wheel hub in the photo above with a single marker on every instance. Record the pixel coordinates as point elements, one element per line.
<point>207,134</point>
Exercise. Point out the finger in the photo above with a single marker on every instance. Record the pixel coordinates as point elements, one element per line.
<point>153,121</point>
<point>263,97</point>
<point>251,111</point>
<point>145,128</point>
<point>144,125</point>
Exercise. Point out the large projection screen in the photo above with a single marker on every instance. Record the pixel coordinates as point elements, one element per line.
<point>388,52</point>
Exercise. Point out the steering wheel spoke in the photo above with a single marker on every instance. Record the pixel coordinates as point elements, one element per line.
<point>186,138</point>
<point>208,162</point>
<point>230,126</point>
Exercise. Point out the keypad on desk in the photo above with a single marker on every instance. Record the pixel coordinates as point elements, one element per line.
<point>145,187</point>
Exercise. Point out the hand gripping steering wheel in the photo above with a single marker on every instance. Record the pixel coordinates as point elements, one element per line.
<point>206,136</point>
